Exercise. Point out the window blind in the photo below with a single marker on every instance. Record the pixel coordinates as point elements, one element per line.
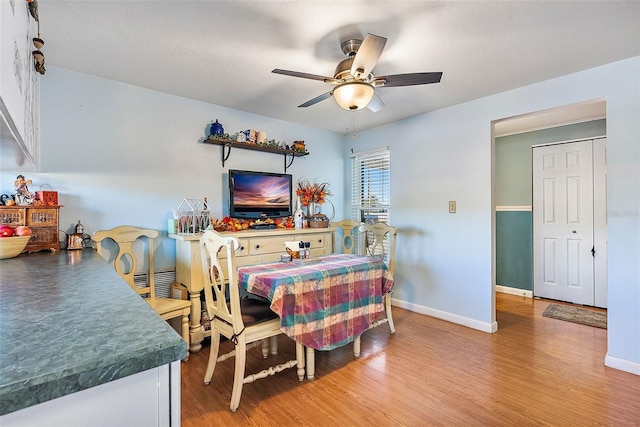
<point>370,186</point>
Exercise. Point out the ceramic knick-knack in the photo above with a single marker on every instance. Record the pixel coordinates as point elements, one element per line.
<point>216,128</point>
<point>298,215</point>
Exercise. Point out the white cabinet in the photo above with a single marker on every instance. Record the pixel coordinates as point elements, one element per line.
<point>256,246</point>
<point>149,398</point>
<point>19,89</point>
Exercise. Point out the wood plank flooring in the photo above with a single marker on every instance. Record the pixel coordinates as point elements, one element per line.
<point>534,371</point>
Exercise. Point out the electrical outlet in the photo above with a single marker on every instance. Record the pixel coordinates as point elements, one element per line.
<point>452,206</point>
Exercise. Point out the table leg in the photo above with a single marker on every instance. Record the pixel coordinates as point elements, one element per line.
<point>196,331</point>
<point>356,347</point>
<point>300,359</point>
<point>311,363</point>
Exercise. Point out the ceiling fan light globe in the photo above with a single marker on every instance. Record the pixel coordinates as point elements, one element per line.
<point>353,96</point>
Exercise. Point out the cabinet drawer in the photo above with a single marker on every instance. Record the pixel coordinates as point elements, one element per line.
<point>317,241</point>
<point>268,245</point>
<point>43,235</point>
<point>42,217</point>
<point>12,217</point>
<point>242,251</point>
<point>242,261</point>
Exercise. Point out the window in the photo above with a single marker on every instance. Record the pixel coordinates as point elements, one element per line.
<point>370,183</point>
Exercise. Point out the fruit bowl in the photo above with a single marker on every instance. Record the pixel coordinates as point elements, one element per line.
<point>11,247</point>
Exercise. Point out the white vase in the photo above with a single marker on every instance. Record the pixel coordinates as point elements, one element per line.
<point>298,215</point>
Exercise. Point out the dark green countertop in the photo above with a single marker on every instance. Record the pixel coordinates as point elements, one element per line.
<point>68,322</point>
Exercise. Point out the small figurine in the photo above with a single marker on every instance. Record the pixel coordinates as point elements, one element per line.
<point>24,197</point>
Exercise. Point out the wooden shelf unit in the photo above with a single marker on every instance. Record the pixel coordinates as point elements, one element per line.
<point>226,146</point>
<point>42,220</point>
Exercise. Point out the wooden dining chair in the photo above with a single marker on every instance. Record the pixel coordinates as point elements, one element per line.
<point>346,230</point>
<point>246,322</point>
<point>125,263</point>
<point>379,240</point>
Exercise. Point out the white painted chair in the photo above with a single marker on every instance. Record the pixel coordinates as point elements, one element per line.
<point>246,322</point>
<point>126,265</point>
<point>372,243</point>
<point>347,228</point>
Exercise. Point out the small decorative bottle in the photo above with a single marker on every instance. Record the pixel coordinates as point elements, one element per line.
<point>307,249</point>
<point>302,252</point>
<point>298,216</point>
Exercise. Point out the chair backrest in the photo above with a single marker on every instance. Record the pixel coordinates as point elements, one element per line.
<point>215,282</point>
<point>125,261</point>
<point>379,240</point>
<point>346,227</point>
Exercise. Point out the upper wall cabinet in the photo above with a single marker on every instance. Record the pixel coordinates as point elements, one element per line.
<point>19,89</point>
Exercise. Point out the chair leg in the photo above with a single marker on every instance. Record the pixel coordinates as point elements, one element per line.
<point>356,347</point>
<point>274,344</point>
<point>387,303</point>
<point>300,359</point>
<point>185,333</point>
<point>238,376</point>
<point>213,357</point>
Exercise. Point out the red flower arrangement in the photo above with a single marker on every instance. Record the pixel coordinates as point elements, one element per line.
<point>312,192</point>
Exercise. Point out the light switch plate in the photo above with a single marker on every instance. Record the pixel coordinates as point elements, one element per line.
<point>452,206</point>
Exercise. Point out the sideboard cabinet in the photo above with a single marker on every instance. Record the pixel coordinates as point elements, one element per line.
<point>42,220</point>
<point>256,246</point>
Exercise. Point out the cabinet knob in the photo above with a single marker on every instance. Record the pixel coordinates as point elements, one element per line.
<point>257,246</point>
<point>242,248</point>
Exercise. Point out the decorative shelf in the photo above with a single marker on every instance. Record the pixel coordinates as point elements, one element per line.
<point>226,146</point>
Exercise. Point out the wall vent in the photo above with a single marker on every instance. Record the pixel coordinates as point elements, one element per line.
<point>163,277</point>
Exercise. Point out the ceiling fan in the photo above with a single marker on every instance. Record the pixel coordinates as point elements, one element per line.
<point>353,79</point>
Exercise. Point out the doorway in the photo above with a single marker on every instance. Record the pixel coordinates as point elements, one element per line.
<point>569,224</point>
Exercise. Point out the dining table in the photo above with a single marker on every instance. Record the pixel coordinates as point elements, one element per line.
<point>324,302</point>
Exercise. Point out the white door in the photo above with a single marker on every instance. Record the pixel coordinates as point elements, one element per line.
<point>563,222</point>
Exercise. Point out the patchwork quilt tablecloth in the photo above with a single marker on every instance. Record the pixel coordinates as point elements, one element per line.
<point>323,305</point>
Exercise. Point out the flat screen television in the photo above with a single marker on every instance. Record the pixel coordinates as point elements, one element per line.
<point>254,194</point>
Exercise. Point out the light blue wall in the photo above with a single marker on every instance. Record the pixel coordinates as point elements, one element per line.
<point>445,261</point>
<point>120,154</point>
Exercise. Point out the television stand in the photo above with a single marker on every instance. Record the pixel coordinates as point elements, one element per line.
<point>263,226</point>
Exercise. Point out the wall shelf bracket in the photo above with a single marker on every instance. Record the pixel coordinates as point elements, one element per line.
<point>227,148</point>
<point>287,165</point>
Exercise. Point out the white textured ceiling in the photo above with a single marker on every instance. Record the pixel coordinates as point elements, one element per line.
<point>222,52</point>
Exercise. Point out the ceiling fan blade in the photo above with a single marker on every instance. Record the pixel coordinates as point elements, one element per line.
<point>367,56</point>
<point>316,100</point>
<point>409,79</point>
<point>375,104</point>
<point>303,75</point>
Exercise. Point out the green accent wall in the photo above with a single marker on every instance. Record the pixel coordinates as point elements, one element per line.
<point>514,255</point>
<point>513,158</point>
<point>514,231</point>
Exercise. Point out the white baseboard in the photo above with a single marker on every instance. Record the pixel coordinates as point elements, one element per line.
<point>622,364</point>
<point>449,317</point>
<point>514,291</point>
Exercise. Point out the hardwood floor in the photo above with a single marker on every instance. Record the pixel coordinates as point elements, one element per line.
<point>533,371</point>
